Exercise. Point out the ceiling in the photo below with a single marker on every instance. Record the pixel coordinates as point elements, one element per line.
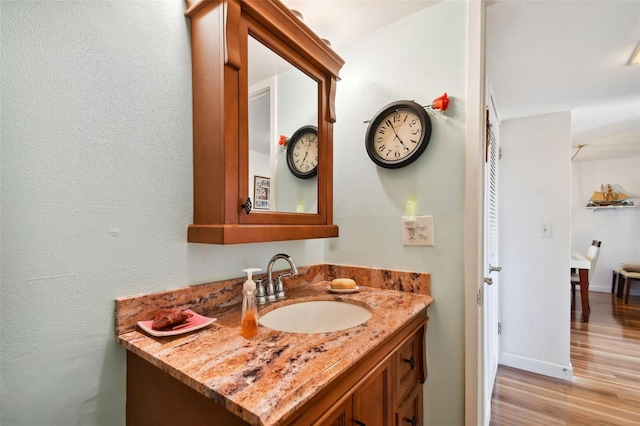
<point>541,57</point>
<point>343,21</point>
<point>550,56</point>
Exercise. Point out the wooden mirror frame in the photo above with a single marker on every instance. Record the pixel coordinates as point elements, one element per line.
<point>219,32</point>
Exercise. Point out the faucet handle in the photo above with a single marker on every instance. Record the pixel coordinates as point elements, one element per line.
<point>280,286</point>
<point>261,296</point>
<point>259,288</point>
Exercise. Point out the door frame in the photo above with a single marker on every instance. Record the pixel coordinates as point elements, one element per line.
<point>491,292</point>
<point>474,213</point>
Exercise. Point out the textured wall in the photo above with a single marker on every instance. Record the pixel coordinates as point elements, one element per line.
<point>417,58</point>
<point>97,191</point>
<point>96,197</point>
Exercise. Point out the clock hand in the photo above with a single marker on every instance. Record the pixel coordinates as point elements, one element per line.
<point>306,153</point>
<point>396,133</point>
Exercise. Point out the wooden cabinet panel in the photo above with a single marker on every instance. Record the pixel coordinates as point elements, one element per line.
<point>372,400</point>
<point>408,366</point>
<point>340,416</point>
<point>391,394</point>
<point>410,412</point>
<point>219,33</point>
<point>154,398</point>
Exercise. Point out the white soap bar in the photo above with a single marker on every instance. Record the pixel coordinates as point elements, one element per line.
<point>343,283</point>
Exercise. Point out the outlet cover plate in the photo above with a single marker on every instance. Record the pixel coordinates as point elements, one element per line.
<point>417,231</point>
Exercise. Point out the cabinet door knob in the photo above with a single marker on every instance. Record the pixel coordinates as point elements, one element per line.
<point>247,206</point>
<point>412,421</point>
<point>359,423</point>
<point>411,361</point>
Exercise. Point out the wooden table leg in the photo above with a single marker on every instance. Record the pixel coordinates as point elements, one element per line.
<point>584,293</point>
<point>622,281</point>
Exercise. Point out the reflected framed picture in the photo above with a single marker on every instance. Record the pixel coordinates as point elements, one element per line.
<point>262,189</point>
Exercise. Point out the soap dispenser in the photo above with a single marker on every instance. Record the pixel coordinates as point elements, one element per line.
<point>249,323</point>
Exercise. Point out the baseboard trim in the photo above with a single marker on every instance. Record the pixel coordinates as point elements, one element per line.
<point>558,371</point>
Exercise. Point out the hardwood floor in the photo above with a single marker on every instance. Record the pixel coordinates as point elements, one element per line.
<point>605,354</point>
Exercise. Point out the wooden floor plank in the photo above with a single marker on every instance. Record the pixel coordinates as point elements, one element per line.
<point>605,355</point>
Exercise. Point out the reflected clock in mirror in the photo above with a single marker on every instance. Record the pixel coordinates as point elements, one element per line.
<point>275,90</point>
<point>302,152</point>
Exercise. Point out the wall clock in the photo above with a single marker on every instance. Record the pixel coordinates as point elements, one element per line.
<point>398,134</point>
<point>302,152</point>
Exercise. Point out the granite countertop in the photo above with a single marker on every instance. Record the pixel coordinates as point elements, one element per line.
<point>263,379</point>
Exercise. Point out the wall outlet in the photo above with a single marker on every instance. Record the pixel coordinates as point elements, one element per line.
<point>417,231</point>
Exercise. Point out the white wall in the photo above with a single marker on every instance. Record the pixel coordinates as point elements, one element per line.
<point>535,188</point>
<point>260,138</point>
<point>619,230</point>
<point>259,165</point>
<point>96,197</point>
<point>418,58</point>
<point>297,99</point>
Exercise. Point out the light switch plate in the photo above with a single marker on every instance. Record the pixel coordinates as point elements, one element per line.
<point>544,231</point>
<point>417,231</point>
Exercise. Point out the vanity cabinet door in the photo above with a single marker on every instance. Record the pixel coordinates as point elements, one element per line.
<point>410,411</point>
<point>388,394</point>
<point>409,364</point>
<point>409,375</point>
<point>372,399</point>
<point>340,416</point>
<point>369,404</point>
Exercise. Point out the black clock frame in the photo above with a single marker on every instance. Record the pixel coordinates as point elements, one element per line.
<point>423,142</point>
<point>290,147</point>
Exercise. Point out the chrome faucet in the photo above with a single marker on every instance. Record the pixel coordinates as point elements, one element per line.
<point>275,288</point>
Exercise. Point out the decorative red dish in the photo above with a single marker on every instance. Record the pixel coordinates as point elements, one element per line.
<point>195,322</point>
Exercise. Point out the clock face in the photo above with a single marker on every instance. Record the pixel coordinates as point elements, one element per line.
<point>398,134</point>
<point>302,152</point>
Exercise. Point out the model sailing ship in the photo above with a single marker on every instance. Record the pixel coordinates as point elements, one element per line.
<point>608,196</point>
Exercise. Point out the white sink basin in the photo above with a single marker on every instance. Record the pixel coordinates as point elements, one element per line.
<point>317,316</point>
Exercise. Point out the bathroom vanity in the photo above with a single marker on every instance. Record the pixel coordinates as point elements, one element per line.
<point>370,374</point>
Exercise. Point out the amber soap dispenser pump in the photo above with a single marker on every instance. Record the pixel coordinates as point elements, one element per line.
<point>249,323</point>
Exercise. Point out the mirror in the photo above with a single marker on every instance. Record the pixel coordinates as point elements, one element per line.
<point>282,99</point>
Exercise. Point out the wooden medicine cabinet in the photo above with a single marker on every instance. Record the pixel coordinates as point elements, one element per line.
<point>244,50</point>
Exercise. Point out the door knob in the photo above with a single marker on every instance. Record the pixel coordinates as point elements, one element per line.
<point>495,268</point>
<point>488,280</point>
